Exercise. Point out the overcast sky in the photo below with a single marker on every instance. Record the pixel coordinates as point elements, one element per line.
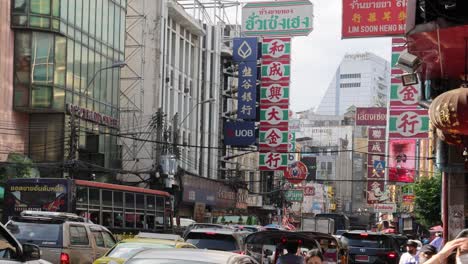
<point>316,57</point>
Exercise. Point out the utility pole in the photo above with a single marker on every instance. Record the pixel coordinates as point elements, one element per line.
<point>73,143</point>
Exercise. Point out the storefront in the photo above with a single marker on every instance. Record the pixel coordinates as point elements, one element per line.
<point>204,198</point>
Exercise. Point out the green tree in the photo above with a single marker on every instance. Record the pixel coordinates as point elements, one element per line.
<point>427,202</point>
<point>17,166</point>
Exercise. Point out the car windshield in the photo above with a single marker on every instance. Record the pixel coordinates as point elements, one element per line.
<point>213,241</point>
<point>126,250</point>
<point>40,234</point>
<point>366,240</point>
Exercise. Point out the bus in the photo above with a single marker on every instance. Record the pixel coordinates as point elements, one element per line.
<point>120,208</point>
<point>341,220</point>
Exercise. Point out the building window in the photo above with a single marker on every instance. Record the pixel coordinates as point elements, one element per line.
<point>350,85</point>
<point>350,76</point>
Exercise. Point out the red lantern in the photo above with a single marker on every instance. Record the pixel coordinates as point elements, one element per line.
<point>449,112</point>
<point>451,139</point>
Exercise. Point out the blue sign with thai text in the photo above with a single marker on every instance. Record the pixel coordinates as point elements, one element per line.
<point>247,91</point>
<point>239,133</point>
<point>245,49</point>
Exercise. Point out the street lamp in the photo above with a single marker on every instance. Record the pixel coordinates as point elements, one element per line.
<point>193,108</point>
<point>117,64</point>
<point>168,161</point>
<point>75,128</point>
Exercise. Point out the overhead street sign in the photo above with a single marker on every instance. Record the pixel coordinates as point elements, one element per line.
<point>278,18</point>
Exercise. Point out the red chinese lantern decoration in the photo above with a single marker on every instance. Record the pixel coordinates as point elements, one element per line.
<point>451,139</point>
<point>449,112</point>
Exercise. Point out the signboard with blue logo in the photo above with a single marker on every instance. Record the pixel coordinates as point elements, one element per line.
<point>239,133</point>
<point>245,49</point>
<point>379,165</point>
<point>247,91</point>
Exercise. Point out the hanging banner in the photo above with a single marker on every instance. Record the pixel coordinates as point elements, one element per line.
<point>402,162</point>
<point>247,91</point>
<point>278,18</point>
<point>373,18</point>
<point>275,93</point>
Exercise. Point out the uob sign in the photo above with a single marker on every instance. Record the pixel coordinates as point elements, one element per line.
<point>239,133</point>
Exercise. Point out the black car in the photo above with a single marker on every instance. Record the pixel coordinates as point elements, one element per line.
<point>370,247</point>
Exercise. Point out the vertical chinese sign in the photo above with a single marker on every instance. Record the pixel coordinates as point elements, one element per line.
<point>407,122</point>
<point>274,103</point>
<point>375,118</point>
<point>245,54</point>
<point>242,133</point>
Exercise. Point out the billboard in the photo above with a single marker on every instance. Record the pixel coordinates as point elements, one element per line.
<point>239,133</point>
<point>277,18</point>
<point>370,18</point>
<point>402,162</point>
<point>371,116</point>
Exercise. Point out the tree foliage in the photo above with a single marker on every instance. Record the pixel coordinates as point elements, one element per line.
<point>428,200</point>
<point>17,166</point>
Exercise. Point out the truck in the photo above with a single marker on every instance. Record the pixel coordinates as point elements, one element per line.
<point>318,224</point>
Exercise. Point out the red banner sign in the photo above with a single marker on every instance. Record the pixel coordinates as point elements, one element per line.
<point>371,116</point>
<point>373,18</point>
<point>376,133</point>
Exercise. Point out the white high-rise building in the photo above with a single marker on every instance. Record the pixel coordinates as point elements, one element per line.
<point>362,80</point>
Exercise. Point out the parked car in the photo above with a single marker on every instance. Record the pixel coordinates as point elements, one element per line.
<point>249,228</point>
<point>62,237</point>
<point>206,225</point>
<point>371,247</point>
<point>182,256</point>
<point>12,251</point>
<point>129,247</point>
<point>217,239</point>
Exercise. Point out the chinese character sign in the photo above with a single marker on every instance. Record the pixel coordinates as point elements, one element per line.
<point>276,49</point>
<point>408,123</point>
<point>376,133</point>
<point>247,90</point>
<point>373,18</point>
<point>281,18</point>
<point>376,192</point>
<point>402,162</point>
<point>273,161</point>
<point>274,98</point>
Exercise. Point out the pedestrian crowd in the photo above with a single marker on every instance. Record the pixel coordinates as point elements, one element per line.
<point>453,252</point>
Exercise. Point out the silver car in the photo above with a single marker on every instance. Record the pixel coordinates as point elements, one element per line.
<point>62,238</point>
<point>192,256</point>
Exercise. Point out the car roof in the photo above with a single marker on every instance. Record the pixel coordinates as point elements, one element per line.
<point>149,241</point>
<point>205,255</point>
<point>214,230</point>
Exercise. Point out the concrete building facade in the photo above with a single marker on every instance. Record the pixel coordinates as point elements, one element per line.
<point>361,80</point>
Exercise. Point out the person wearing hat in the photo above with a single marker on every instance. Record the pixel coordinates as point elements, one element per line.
<point>426,252</point>
<point>409,257</point>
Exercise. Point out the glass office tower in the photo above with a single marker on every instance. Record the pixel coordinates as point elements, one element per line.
<point>65,64</point>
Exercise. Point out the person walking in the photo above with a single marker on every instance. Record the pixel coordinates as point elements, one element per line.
<point>409,257</point>
<point>438,241</point>
<point>425,253</point>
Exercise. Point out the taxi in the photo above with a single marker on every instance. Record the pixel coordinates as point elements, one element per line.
<point>126,248</point>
